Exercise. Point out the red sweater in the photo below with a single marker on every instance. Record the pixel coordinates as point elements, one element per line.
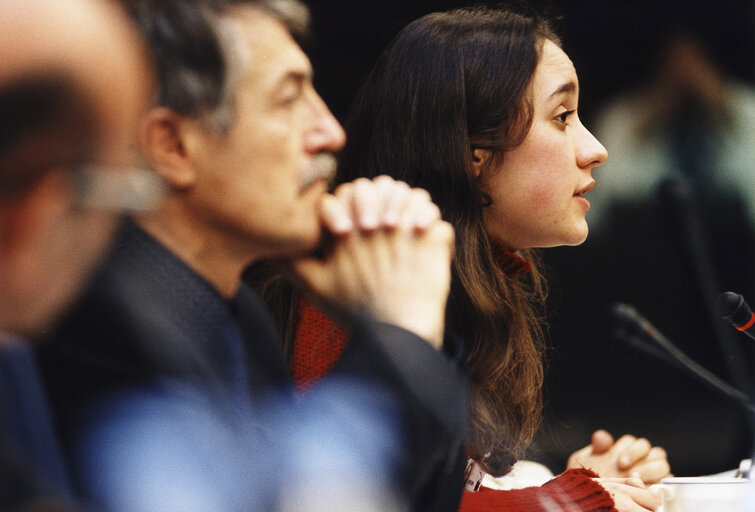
<point>318,344</point>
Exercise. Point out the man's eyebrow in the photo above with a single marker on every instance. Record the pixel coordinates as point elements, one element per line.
<point>566,88</point>
<point>294,76</point>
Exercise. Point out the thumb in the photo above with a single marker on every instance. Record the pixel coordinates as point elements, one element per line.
<point>335,217</point>
<point>601,441</point>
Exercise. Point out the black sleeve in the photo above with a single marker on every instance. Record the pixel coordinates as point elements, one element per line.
<point>431,392</point>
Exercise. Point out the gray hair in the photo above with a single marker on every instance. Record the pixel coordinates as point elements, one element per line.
<point>199,56</point>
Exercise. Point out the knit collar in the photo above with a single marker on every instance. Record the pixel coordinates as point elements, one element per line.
<point>510,262</point>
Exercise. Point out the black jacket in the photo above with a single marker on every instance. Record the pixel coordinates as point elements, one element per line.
<point>153,369</point>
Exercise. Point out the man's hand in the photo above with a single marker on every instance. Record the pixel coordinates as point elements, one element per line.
<point>390,257</point>
<point>630,494</point>
<point>627,457</point>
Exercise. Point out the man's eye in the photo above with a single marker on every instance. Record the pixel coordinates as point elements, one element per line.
<point>290,99</point>
<point>290,95</point>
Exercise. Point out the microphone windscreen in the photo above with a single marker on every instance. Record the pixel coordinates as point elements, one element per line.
<point>732,307</point>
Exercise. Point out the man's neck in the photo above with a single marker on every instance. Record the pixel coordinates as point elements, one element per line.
<point>202,249</point>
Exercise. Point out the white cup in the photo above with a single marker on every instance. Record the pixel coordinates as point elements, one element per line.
<point>703,494</point>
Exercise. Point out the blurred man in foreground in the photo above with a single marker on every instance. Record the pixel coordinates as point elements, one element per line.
<point>68,106</point>
<point>68,113</point>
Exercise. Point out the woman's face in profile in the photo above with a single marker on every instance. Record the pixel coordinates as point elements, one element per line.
<point>538,189</point>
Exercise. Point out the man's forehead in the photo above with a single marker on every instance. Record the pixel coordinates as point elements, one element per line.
<point>268,48</point>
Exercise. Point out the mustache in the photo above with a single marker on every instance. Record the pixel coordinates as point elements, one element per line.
<point>323,167</point>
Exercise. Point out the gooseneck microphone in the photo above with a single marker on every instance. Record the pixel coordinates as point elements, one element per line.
<point>633,329</point>
<point>734,309</point>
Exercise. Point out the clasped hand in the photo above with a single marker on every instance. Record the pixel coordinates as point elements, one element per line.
<point>626,467</point>
<point>628,457</point>
<point>390,257</point>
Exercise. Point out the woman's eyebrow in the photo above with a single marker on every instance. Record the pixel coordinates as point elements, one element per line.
<point>568,87</point>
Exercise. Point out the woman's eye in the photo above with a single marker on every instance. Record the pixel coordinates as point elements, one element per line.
<point>564,117</point>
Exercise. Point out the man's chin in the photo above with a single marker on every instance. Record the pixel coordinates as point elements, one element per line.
<point>313,247</point>
<point>316,187</point>
<point>302,246</point>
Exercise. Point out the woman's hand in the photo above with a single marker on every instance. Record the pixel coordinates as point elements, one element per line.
<point>630,494</point>
<point>627,457</point>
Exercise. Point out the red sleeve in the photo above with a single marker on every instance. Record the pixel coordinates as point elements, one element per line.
<point>573,490</point>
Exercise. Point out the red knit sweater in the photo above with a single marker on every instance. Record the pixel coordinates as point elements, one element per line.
<point>571,491</point>
<point>318,342</point>
<point>318,345</point>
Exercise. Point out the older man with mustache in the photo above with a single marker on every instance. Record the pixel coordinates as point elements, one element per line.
<point>183,399</point>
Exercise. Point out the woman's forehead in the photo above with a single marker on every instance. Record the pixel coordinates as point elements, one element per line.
<point>555,73</point>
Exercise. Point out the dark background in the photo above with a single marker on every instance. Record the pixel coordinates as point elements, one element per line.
<point>611,42</point>
<point>593,381</point>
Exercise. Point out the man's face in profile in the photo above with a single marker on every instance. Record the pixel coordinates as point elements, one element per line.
<point>263,180</point>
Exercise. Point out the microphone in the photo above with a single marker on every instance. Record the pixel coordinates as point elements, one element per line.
<point>633,329</point>
<point>734,309</point>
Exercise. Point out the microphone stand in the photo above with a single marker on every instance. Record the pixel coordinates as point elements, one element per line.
<point>637,332</point>
<point>634,330</point>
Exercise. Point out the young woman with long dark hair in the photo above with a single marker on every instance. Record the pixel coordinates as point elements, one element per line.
<point>479,107</point>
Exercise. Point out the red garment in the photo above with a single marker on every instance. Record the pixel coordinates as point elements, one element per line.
<point>318,345</point>
<point>510,262</point>
<point>318,342</point>
<point>571,491</point>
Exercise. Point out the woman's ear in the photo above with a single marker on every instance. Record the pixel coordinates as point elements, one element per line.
<point>480,158</point>
<point>161,137</point>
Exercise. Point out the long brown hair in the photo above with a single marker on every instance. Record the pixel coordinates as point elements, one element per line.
<point>448,84</point>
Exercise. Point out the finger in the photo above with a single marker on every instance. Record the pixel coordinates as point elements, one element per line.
<point>623,480</point>
<point>635,482</point>
<point>576,459</point>
<point>620,446</point>
<point>654,467</point>
<point>631,497</point>
<point>651,471</point>
<point>601,441</point>
<point>366,205</point>
<point>657,452</point>
<point>426,216</point>
<point>444,232</point>
<point>395,194</point>
<point>335,216</point>
<point>637,451</point>
<point>645,498</point>
<point>344,192</point>
<point>416,210</point>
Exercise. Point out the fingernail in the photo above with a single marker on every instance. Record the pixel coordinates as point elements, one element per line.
<point>624,460</point>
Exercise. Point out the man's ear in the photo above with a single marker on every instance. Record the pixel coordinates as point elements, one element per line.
<point>162,140</point>
<point>480,158</point>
